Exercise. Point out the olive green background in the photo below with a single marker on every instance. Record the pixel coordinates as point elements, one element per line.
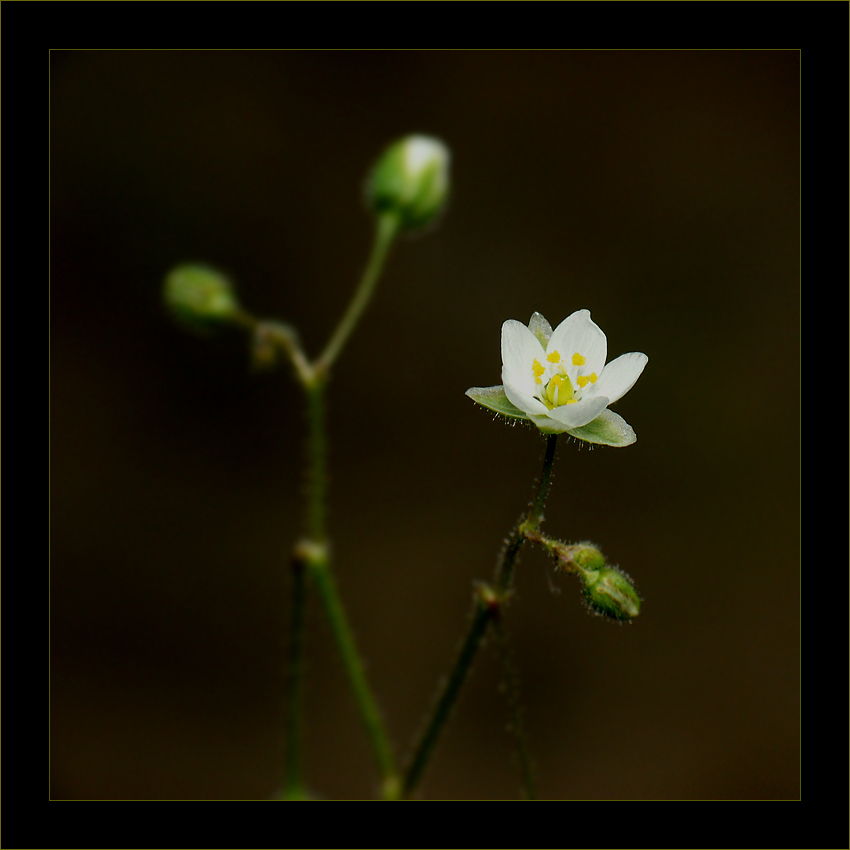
<point>658,189</point>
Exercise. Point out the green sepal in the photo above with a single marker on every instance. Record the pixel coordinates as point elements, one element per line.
<point>494,398</point>
<point>610,592</point>
<point>608,429</point>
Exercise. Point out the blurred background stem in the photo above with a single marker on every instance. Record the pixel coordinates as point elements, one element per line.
<point>387,228</point>
<point>312,554</point>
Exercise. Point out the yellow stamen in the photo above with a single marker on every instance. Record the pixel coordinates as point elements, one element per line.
<point>554,357</point>
<point>578,360</point>
<point>538,370</point>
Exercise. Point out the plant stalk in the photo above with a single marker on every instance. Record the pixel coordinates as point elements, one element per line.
<point>312,556</point>
<point>387,229</point>
<point>487,608</point>
<point>482,614</point>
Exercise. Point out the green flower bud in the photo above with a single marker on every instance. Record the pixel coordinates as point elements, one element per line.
<point>411,180</point>
<point>609,591</point>
<point>586,556</point>
<point>200,297</point>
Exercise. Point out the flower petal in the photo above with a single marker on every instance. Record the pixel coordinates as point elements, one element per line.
<point>522,400</point>
<point>540,328</point>
<point>619,376</point>
<point>579,334</point>
<point>580,413</point>
<point>519,349</point>
<point>494,398</point>
<point>608,429</point>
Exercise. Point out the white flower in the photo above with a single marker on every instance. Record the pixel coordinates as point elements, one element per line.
<point>560,381</point>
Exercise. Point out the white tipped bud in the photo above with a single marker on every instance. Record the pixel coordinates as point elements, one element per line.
<point>411,180</point>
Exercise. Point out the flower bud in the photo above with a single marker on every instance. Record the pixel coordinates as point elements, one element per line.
<point>411,180</point>
<point>609,592</point>
<point>199,296</point>
<point>586,556</point>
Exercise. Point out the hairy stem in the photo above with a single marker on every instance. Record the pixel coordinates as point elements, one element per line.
<point>322,577</point>
<point>293,768</point>
<point>312,553</point>
<point>529,523</point>
<point>517,725</point>
<point>482,614</point>
<point>535,515</point>
<point>487,607</point>
<point>307,551</point>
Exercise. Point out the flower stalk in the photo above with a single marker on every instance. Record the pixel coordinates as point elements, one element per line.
<point>510,675</point>
<point>312,554</point>
<point>487,608</point>
<point>406,191</point>
<point>293,788</point>
<point>387,228</point>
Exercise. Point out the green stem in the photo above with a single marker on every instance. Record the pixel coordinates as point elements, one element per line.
<point>313,551</point>
<point>293,769</point>
<point>317,559</point>
<point>511,683</point>
<point>535,515</point>
<point>312,548</point>
<point>529,523</point>
<point>311,554</point>
<point>320,572</point>
<point>386,230</point>
<point>482,614</point>
<point>316,478</point>
<point>510,552</point>
<point>487,608</point>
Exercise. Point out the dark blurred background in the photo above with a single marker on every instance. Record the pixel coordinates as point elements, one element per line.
<point>660,190</point>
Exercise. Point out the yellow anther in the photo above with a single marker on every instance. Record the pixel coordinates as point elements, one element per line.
<point>578,360</point>
<point>554,357</point>
<point>538,371</point>
<point>593,377</point>
<point>583,380</point>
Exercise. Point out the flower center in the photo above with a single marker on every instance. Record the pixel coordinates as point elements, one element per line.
<point>554,385</point>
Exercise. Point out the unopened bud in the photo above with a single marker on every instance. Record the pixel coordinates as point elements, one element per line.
<point>199,296</point>
<point>586,556</point>
<point>411,181</point>
<point>609,591</point>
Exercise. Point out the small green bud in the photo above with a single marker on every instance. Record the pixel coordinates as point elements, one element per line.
<point>609,591</point>
<point>587,556</point>
<point>199,296</point>
<point>411,180</point>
